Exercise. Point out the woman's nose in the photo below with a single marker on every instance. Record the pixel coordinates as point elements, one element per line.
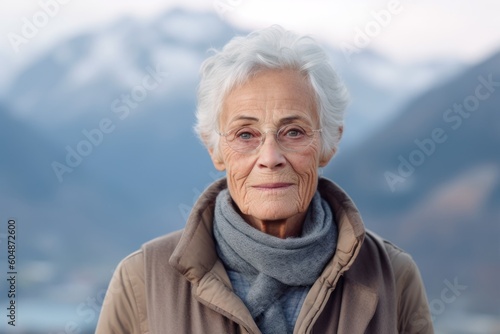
<point>270,154</point>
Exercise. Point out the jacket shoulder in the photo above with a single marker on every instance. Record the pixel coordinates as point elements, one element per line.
<point>413,308</point>
<point>400,260</point>
<point>125,306</point>
<point>156,255</point>
<point>134,263</point>
<point>163,244</point>
<point>123,309</point>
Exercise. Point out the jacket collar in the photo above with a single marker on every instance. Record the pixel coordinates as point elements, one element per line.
<point>351,229</point>
<point>356,297</point>
<point>195,256</point>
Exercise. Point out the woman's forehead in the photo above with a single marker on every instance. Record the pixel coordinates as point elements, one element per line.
<point>273,84</point>
<point>278,116</point>
<point>271,95</point>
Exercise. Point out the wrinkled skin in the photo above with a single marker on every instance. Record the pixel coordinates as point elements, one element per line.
<point>271,188</point>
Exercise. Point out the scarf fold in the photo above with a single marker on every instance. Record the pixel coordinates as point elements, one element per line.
<point>271,264</point>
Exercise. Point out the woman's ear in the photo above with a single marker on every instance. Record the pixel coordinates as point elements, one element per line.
<point>217,160</point>
<point>325,158</point>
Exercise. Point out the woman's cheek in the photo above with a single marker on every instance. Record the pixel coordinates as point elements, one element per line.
<point>307,188</point>
<point>238,170</point>
<point>307,170</point>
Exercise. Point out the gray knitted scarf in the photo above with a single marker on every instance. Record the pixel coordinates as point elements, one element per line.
<point>272,264</point>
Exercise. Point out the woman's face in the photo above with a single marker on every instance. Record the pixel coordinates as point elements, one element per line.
<point>271,184</point>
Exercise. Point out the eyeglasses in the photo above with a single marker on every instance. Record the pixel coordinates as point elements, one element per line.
<point>291,138</point>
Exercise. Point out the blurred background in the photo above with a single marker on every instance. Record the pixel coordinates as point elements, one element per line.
<point>98,156</point>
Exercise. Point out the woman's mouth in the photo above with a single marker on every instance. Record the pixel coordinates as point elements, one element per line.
<point>273,186</point>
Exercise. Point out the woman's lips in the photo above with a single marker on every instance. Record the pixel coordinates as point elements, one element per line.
<point>273,186</point>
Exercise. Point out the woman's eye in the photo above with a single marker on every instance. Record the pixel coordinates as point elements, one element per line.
<point>246,134</point>
<point>294,132</point>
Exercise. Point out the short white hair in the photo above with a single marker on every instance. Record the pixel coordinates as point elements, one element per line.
<point>272,48</point>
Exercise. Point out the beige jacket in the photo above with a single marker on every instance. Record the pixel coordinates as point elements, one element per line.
<point>177,284</point>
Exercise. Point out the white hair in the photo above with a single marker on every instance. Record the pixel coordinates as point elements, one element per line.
<point>272,48</point>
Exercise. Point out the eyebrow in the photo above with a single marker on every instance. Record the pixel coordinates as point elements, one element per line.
<point>244,118</point>
<point>285,120</point>
<point>291,119</point>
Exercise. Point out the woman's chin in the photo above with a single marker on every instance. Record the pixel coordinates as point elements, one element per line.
<point>274,211</point>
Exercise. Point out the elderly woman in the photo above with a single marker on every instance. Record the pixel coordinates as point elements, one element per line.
<point>273,247</point>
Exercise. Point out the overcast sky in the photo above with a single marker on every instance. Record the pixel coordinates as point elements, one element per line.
<point>414,30</point>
